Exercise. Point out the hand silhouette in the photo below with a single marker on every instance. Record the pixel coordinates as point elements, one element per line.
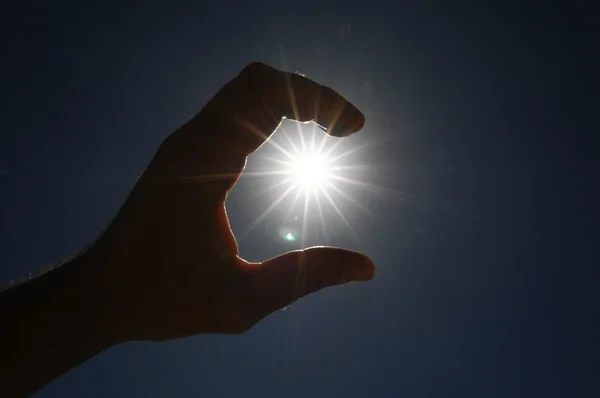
<point>168,265</point>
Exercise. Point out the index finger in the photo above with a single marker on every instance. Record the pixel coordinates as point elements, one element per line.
<point>251,106</point>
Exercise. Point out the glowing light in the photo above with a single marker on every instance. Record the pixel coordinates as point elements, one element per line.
<point>310,170</point>
<point>311,180</point>
<point>314,168</point>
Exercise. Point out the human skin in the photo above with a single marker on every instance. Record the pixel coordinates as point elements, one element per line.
<point>167,266</point>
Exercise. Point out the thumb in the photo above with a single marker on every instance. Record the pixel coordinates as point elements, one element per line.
<point>284,279</point>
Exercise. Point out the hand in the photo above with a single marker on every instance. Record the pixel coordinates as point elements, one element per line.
<point>168,265</point>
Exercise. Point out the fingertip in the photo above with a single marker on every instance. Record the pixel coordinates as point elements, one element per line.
<point>349,122</point>
<point>355,265</point>
<point>361,270</point>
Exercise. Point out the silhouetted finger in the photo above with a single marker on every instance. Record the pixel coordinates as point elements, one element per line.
<point>211,149</point>
<point>246,111</point>
<point>284,279</point>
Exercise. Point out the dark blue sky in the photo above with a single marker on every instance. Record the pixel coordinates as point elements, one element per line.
<point>482,123</point>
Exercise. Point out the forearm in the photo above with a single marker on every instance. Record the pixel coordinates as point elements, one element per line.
<point>46,330</point>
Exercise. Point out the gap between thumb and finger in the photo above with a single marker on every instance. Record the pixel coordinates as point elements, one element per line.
<point>282,280</point>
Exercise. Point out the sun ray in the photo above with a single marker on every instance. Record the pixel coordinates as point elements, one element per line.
<point>316,108</point>
<point>250,126</point>
<point>349,152</point>
<point>313,138</point>
<point>408,198</point>
<point>266,212</point>
<point>277,185</point>
<point>261,134</point>
<point>287,136</point>
<point>228,176</point>
<point>202,177</point>
<point>322,144</point>
<point>305,218</point>
<point>360,167</point>
<point>291,95</point>
<point>294,201</point>
<point>286,163</point>
<point>369,185</point>
<point>320,209</point>
<point>279,147</point>
<point>335,117</point>
<point>333,147</point>
<point>341,215</point>
<point>266,173</point>
<point>302,140</point>
<point>294,106</point>
<point>349,199</point>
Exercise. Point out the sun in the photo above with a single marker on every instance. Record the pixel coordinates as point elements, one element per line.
<point>310,170</point>
<point>309,177</point>
<point>311,181</point>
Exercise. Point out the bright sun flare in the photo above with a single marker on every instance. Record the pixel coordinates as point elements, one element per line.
<point>310,170</point>
<point>310,177</point>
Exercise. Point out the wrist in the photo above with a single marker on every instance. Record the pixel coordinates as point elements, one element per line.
<point>47,328</point>
<point>93,303</point>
